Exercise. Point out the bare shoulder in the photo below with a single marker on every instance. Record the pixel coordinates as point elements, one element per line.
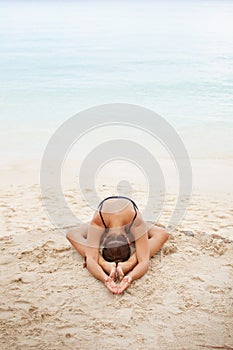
<point>96,219</point>
<point>95,230</point>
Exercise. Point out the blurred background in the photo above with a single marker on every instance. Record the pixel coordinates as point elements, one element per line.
<point>60,57</point>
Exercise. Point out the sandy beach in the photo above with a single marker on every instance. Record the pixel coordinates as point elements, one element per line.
<point>48,300</point>
<point>103,98</point>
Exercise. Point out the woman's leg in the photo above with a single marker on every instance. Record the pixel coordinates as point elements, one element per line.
<point>157,236</point>
<point>78,238</point>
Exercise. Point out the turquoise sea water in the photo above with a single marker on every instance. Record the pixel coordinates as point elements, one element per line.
<point>59,57</point>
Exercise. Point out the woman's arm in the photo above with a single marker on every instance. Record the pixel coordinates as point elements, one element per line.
<point>92,250</point>
<point>139,230</point>
<point>92,256</point>
<point>143,256</point>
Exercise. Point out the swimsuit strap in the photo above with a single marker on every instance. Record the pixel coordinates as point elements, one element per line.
<point>135,215</point>
<point>111,197</point>
<point>101,205</point>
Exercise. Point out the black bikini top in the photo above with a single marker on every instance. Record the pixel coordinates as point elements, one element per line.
<point>114,197</point>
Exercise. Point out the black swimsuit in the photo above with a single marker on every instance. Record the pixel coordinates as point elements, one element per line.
<point>115,197</point>
<point>131,240</point>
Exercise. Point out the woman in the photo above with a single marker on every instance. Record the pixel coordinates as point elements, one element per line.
<point>117,243</point>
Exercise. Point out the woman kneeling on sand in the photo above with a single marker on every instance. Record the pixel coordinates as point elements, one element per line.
<point>117,243</point>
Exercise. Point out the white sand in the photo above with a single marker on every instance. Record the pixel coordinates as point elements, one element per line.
<point>49,301</point>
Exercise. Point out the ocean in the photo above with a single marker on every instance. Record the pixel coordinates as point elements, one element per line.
<point>60,57</point>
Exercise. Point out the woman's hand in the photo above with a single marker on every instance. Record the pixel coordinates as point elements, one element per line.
<point>111,285</point>
<point>125,283</point>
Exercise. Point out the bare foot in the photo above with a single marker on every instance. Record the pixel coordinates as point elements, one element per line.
<point>109,267</point>
<point>113,272</point>
<point>120,273</point>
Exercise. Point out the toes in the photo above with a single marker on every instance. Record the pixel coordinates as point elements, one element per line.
<point>120,273</point>
<point>113,274</point>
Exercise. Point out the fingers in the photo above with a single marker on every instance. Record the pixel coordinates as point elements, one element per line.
<point>113,273</point>
<point>112,289</point>
<point>111,285</point>
<point>125,283</point>
<point>117,289</point>
<point>122,288</point>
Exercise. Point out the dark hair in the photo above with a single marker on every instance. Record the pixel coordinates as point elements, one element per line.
<point>116,248</point>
